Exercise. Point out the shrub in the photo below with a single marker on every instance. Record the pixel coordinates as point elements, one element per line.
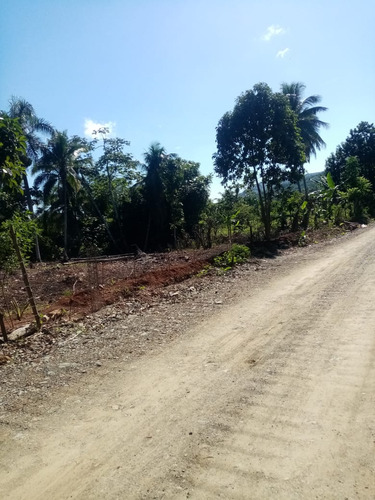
<point>236,255</point>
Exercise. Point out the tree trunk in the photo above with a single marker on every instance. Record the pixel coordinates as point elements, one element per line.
<point>209,235</point>
<point>305,187</point>
<point>25,277</point>
<point>261,201</point>
<point>65,228</point>
<point>147,232</point>
<point>306,217</point>
<point>31,210</point>
<point>114,206</point>
<point>266,216</point>
<point>2,327</point>
<point>102,218</point>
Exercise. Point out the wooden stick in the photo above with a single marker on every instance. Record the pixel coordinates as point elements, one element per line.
<point>25,278</point>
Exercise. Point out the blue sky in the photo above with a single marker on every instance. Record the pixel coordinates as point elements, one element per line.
<point>167,70</point>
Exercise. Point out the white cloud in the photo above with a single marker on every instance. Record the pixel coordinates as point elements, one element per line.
<point>273,30</point>
<point>282,53</point>
<point>91,126</point>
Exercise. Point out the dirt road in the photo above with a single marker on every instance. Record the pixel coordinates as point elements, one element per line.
<point>271,398</point>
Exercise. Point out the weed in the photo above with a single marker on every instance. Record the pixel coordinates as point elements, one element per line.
<point>238,254</point>
<point>18,308</point>
<point>303,239</point>
<point>204,271</point>
<point>126,292</point>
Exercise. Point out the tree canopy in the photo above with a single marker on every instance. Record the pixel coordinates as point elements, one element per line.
<point>259,142</point>
<point>91,196</point>
<point>12,152</point>
<point>360,143</point>
<point>307,112</point>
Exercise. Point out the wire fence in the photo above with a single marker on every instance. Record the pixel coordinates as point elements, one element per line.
<point>85,281</point>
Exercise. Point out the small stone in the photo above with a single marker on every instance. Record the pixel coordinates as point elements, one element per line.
<point>98,363</point>
<point>20,332</point>
<point>67,365</point>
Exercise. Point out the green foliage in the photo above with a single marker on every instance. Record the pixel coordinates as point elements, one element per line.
<point>238,254</point>
<point>204,271</point>
<point>359,196</point>
<point>8,259</point>
<point>12,153</point>
<point>92,197</point>
<point>57,173</point>
<point>25,229</point>
<point>18,308</point>
<point>330,183</point>
<point>114,172</point>
<point>174,195</point>
<point>356,192</point>
<point>302,240</point>
<point>360,143</point>
<point>307,112</point>
<point>259,142</point>
<point>328,198</point>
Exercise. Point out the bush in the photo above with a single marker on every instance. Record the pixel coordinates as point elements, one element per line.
<point>236,255</point>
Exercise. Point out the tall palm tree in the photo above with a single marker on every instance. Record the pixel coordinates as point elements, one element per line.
<point>155,194</point>
<point>307,111</point>
<point>56,171</point>
<point>31,126</point>
<point>30,123</point>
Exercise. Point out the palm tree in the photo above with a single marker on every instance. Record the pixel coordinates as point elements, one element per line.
<point>308,122</point>
<point>155,194</point>
<point>31,127</point>
<point>57,173</point>
<point>307,111</point>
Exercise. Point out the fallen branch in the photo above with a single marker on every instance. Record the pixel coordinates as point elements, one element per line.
<point>89,260</point>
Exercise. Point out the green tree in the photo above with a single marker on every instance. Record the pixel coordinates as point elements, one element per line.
<point>56,172</point>
<point>174,193</point>
<point>114,172</point>
<point>360,144</point>
<point>154,193</point>
<point>356,190</point>
<point>209,224</point>
<point>32,126</point>
<point>307,111</point>
<point>259,142</point>
<point>186,193</point>
<point>12,153</point>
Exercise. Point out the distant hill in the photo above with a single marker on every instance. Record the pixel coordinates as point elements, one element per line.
<point>312,181</point>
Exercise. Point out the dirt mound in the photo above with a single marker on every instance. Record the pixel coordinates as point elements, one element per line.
<point>76,289</point>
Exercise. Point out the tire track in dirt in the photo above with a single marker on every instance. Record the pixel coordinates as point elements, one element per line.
<point>306,403</point>
<point>271,398</point>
